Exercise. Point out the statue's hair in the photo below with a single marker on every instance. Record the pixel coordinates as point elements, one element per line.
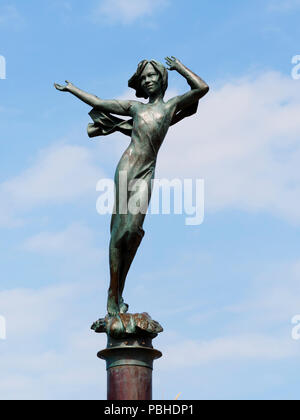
<point>135,82</point>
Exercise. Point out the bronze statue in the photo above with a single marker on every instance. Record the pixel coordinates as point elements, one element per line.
<point>147,128</point>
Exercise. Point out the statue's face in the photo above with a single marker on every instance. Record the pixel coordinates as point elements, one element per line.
<point>150,81</point>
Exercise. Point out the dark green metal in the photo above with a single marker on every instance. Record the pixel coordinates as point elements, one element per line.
<point>147,128</point>
<point>135,351</point>
<point>129,354</point>
<point>127,326</point>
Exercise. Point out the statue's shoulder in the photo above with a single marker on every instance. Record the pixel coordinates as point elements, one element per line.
<point>137,106</point>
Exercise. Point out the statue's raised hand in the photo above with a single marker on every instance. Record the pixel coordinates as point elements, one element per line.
<point>173,63</point>
<point>65,88</point>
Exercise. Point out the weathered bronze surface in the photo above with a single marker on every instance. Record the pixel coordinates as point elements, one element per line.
<point>147,128</point>
<point>129,383</point>
<point>128,325</point>
<point>129,354</point>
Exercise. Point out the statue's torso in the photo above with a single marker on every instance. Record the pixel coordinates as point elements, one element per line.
<point>150,126</point>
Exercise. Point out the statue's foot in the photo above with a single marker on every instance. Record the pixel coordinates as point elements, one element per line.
<point>112,307</point>
<point>123,307</point>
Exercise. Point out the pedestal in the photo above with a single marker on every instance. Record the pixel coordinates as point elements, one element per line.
<point>129,364</point>
<point>129,355</point>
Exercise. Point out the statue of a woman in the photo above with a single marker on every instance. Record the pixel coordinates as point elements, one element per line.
<point>147,128</point>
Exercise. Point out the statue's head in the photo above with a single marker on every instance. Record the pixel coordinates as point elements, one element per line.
<point>150,78</point>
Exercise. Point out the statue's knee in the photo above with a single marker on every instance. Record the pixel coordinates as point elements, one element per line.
<point>129,238</point>
<point>135,237</point>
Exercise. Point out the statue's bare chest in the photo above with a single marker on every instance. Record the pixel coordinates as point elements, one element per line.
<point>155,119</point>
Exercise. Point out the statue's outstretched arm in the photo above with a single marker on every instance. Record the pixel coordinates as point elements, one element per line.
<point>110,106</point>
<point>198,87</point>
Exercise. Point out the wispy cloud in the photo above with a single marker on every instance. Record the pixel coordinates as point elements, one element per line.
<point>126,11</point>
<point>244,347</point>
<point>271,302</point>
<point>44,370</point>
<point>60,174</point>
<point>245,143</point>
<point>284,5</point>
<point>9,15</point>
<point>258,330</point>
<point>75,243</point>
<point>30,312</point>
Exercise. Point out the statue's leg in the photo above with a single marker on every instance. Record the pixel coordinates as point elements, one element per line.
<point>115,262</point>
<point>113,292</point>
<point>123,246</point>
<point>134,235</point>
<point>133,241</point>
<point>126,236</point>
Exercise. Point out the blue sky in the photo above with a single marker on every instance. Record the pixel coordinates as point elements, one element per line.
<point>225,291</point>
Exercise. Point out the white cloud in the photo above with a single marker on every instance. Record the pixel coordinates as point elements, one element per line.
<point>69,373</point>
<point>71,254</point>
<point>245,143</point>
<point>246,347</point>
<point>75,240</point>
<point>73,249</point>
<point>50,353</point>
<point>273,299</point>
<point>258,329</point>
<point>126,11</point>
<point>9,15</point>
<point>61,174</point>
<point>284,5</point>
<point>30,312</point>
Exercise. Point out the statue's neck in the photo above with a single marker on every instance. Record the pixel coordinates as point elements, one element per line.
<point>156,99</point>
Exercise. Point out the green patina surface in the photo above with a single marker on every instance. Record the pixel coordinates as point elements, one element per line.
<point>147,128</point>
